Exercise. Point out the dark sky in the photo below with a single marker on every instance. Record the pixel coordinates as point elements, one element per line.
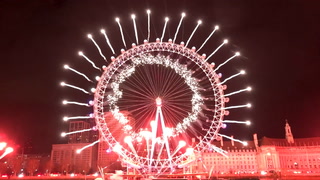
<point>279,41</point>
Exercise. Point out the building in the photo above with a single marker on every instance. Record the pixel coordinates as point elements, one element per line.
<point>238,159</point>
<point>81,137</point>
<point>26,164</point>
<point>65,158</point>
<point>106,157</point>
<point>268,155</point>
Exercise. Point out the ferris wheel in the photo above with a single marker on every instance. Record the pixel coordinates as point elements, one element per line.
<point>167,100</point>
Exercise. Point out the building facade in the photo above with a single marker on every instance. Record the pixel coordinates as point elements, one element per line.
<point>65,158</point>
<point>25,164</point>
<point>266,155</point>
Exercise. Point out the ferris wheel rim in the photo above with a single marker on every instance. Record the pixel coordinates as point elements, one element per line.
<point>157,47</point>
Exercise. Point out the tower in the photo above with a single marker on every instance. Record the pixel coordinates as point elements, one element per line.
<point>289,135</point>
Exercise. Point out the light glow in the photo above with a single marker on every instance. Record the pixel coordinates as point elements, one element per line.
<point>77,72</point>
<point>239,91</point>
<point>2,145</point>
<point>76,117</point>
<point>164,28</point>
<point>128,139</point>
<point>189,151</point>
<point>65,102</point>
<point>74,87</point>
<point>85,147</point>
<point>238,106</point>
<point>149,19</point>
<point>158,101</point>
<point>215,29</point>
<point>220,65</point>
<point>175,35</point>
<point>107,40</point>
<point>7,151</point>
<point>135,27</point>
<point>239,122</point>
<point>233,139</point>
<point>79,131</point>
<point>117,148</point>
<point>120,28</point>
<point>194,30</point>
<point>182,143</point>
<point>86,58</point>
<point>216,50</point>
<point>233,76</point>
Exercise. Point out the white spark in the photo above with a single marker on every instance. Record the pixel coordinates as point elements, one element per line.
<point>122,36</point>
<point>107,39</point>
<point>239,91</point>
<point>94,42</point>
<point>215,50</point>
<point>233,76</point>
<point>74,132</point>
<point>220,65</point>
<point>135,27</point>
<point>233,139</point>
<point>216,28</point>
<point>77,72</point>
<point>238,106</point>
<point>2,145</point>
<point>194,30</point>
<point>238,122</point>
<point>175,35</point>
<point>76,117</point>
<point>76,103</point>
<point>74,87</point>
<point>79,150</point>
<point>180,145</point>
<point>85,57</point>
<point>164,28</point>
<point>148,12</point>
<point>219,150</point>
<point>7,151</point>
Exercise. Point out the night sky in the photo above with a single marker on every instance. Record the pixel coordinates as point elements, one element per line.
<point>279,41</point>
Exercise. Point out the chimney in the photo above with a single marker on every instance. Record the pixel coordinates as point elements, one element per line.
<point>221,141</point>
<point>255,140</point>
<point>232,142</point>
